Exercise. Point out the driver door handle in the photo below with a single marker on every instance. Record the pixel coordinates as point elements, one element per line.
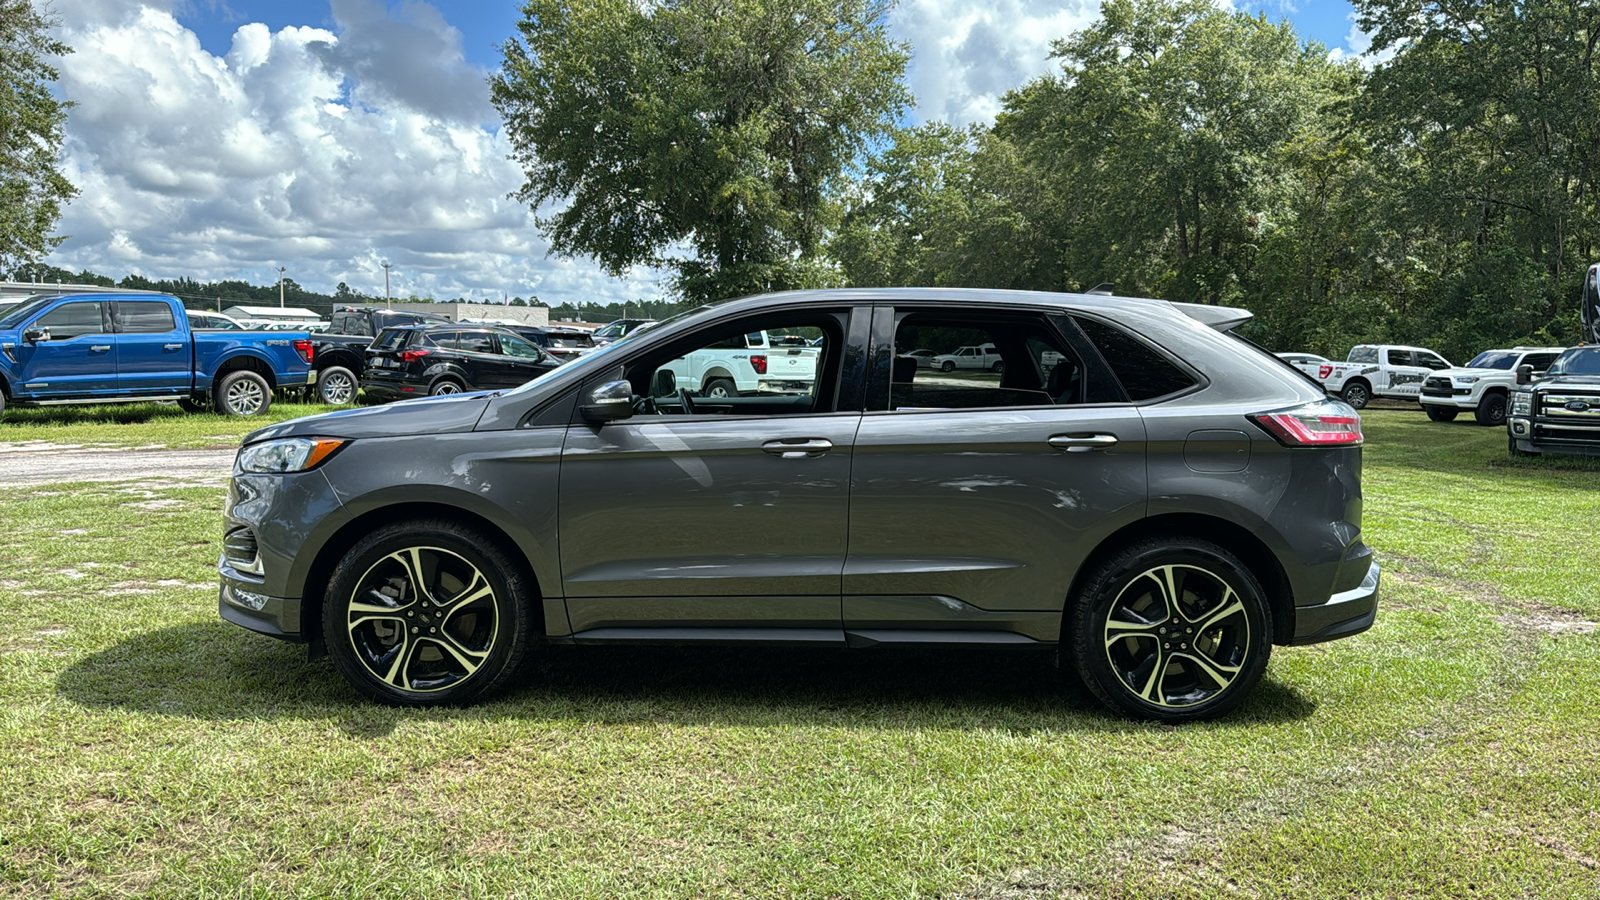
<point>1082,443</point>
<point>798,448</point>
<point>99,348</point>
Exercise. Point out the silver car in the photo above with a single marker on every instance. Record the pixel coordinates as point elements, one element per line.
<point>1159,499</point>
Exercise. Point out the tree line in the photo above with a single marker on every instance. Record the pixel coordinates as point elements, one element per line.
<point>1443,195</point>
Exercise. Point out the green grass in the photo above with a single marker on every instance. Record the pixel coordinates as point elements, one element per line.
<point>141,424</point>
<point>1454,750</point>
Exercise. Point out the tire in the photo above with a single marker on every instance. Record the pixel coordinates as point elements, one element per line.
<point>2,403</point>
<point>1441,413</point>
<point>720,388</point>
<point>468,622</point>
<point>998,367</point>
<point>1491,409</point>
<point>444,387</point>
<point>948,365</point>
<point>1356,393</point>
<point>337,386</point>
<point>1127,657</point>
<point>242,393</point>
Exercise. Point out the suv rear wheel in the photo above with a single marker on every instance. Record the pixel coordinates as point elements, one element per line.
<point>1173,629</point>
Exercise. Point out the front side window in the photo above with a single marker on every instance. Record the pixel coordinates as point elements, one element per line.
<point>1539,361</point>
<point>1432,361</point>
<point>1400,358</point>
<point>511,345</point>
<point>145,317</point>
<point>72,320</point>
<point>745,373</point>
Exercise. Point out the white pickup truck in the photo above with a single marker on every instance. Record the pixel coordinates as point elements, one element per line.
<point>982,356</point>
<point>1376,370</point>
<point>752,363</point>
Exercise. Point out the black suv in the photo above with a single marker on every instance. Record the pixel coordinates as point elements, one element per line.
<point>341,351</point>
<point>429,360</point>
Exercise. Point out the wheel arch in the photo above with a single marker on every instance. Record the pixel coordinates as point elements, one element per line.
<point>714,373</point>
<point>1230,536</point>
<point>317,575</point>
<point>248,362</point>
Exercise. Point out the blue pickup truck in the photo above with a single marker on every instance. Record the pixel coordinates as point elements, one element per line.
<point>123,347</point>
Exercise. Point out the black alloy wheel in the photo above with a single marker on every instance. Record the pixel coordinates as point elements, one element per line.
<point>1491,409</point>
<point>426,613</point>
<point>1356,394</point>
<point>1172,629</point>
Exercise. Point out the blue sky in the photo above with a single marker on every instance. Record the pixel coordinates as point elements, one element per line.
<point>221,139</point>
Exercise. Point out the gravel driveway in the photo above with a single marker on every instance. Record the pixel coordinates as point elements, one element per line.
<point>41,462</point>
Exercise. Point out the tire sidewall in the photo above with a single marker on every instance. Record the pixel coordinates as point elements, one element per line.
<point>510,606</point>
<point>434,391</point>
<point>336,372</point>
<point>1487,408</point>
<point>1357,395</point>
<point>219,397</point>
<point>1093,603</point>
<point>727,385</point>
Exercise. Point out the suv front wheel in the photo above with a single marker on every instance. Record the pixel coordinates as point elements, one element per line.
<point>1173,629</point>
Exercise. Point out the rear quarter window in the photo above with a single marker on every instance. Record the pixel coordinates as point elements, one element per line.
<point>391,339</point>
<point>1145,374</point>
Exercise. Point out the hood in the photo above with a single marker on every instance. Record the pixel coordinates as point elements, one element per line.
<point>424,415</point>
<point>1464,370</point>
<point>1563,382</point>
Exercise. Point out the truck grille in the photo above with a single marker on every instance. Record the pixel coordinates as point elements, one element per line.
<point>1579,409</point>
<point>1437,387</point>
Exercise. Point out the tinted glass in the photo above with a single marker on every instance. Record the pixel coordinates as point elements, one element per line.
<point>392,338</point>
<point>351,323</point>
<point>71,320</point>
<point>1363,355</point>
<point>442,339</point>
<point>969,370</point>
<point>145,317</point>
<point>1400,358</point>
<point>1577,362</point>
<point>1145,374</point>
<point>1493,359</point>
<point>1539,361</point>
<point>1431,361</point>
<point>476,342</point>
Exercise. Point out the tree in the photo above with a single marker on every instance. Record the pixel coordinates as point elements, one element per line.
<point>32,189</point>
<point>703,136</point>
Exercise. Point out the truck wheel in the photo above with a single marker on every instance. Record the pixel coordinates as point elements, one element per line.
<point>1441,413</point>
<point>998,367</point>
<point>242,393</point>
<point>720,388</point>
<point>2,403</point>
<point>1171,628</point>
<point>948,365</point>
<point>336,385</point>
<point>443,387</point>
<point>1491,409</point>
<point>1356,393</point>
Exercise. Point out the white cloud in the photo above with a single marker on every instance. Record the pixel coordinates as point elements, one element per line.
<point>324,152</point>
<point>969,53</point>
<point>1358,46</point>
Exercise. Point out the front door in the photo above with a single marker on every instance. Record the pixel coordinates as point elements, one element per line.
<point>153,355</point>
<point>976,496</point>
<point>712,517</point>
<point>79,359</point>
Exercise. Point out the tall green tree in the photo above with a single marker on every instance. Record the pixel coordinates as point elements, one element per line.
<point>704,136</point>
<point>32,188</point>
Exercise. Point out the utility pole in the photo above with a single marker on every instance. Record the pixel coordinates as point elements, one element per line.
<point>386,266</point>
<point>280,287</point>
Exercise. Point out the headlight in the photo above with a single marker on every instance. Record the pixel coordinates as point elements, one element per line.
<point>1521,404</point>
<point>286,454</point>
<point>1467,379</point>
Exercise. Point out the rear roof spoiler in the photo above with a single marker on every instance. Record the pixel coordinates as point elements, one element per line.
<point>1222,318</point>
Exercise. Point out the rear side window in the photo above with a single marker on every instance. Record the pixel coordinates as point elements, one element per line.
<point>351,323</point>
<point>445,340</point>
<point>1539,361</point>
<point>477,342</point>
<point>1401,358</point>
<point>1144,373</point>
<point>145,317</point>
<point>391,339</point>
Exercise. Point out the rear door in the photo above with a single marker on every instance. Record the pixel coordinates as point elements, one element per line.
<point>975,497</point>
<point>80,358</point>
<point>154,355</point>
<point>1403,373</point>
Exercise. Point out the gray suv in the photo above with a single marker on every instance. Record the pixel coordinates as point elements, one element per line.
<point>1159,498</point>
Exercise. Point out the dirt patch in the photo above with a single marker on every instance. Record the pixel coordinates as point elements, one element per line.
<point>156,504</point>
<point>1549,622</point>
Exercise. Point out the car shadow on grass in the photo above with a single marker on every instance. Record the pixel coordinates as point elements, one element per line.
<point>214,671</point>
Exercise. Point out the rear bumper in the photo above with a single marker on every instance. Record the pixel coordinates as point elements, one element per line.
<point>1346,613</point>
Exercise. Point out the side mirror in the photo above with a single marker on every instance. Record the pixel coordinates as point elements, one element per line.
<point>1524,374</point>
<point>35,335</point>
<point>607,402</point>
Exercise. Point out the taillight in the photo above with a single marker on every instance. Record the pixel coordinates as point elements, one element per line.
<point>759,363</point>
<point>305,349</point>
<point>1321,424</point>
<point>413,355</point>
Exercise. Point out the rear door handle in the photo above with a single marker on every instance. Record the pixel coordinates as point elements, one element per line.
<point>1082,443</point>
<point>172,346</point>
<point>798,448</point>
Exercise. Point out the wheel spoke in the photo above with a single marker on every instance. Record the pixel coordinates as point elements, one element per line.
<point>1155,668</point>
<point>469,660</point>
<point>1230,606</point>
<point>416,572</point>
<point>402,661</point>
<point>1221,675</point>
<point>1170,589</point>
<point>473,592</point>
<point>1119,629</point>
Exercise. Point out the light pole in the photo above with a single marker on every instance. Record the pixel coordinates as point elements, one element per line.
<point>386,266</point>
<point>280,287</point>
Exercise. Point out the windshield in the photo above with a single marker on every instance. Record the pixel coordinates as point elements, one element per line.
<point>1363,354</point>
<point>1493,359</point>
<point>16,315</point>
<point>1579,361</point>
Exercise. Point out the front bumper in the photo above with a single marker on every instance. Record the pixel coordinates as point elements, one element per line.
<point>1346,613</point>
<point>277,617</point>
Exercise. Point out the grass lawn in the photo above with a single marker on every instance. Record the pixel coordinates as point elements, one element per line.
<point>141,424</point>
<point>1454,750</point>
